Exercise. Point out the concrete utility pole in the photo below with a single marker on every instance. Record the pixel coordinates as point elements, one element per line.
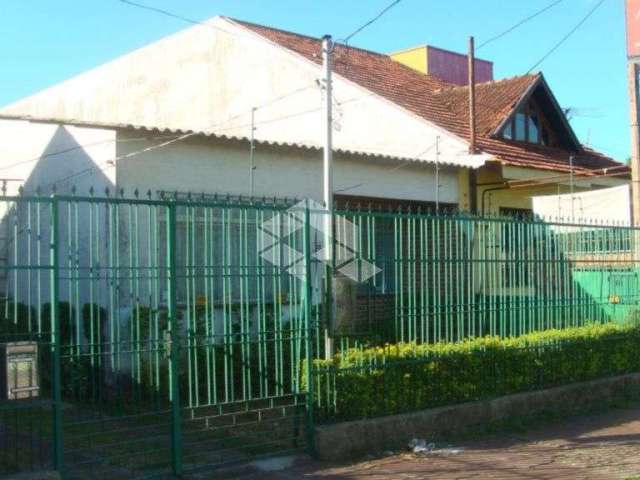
<point>472,96</point>
<point>327,190</point>
<point>327,158</point>
<point>635,141</point>
<point>633,58</point>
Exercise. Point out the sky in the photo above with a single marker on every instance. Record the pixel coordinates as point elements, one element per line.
<point>47,41</point>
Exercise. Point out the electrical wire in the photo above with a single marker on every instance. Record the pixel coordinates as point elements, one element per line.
<point>392,169</point>
<point>182,18</point>
<point>111,162</point>
<point>172,137</point>
<point>566,37</point>
<point>161,11</point>
<point>518,24</point>
<point>370,22</point>
<point>71,149</point>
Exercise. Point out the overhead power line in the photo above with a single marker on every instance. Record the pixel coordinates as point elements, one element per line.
<point>520,23</point>
<point>182,18</point>
<point>566,37</point>
<point>215,129</point>
<point>370,22</point>
<point>161,11</point>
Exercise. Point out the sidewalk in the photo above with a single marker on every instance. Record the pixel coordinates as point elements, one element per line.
<point>599,447</point>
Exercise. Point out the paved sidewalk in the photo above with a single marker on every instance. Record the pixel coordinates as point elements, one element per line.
<point>605,446</point>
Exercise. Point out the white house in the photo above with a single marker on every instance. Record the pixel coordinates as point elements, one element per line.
<point>177,116</point>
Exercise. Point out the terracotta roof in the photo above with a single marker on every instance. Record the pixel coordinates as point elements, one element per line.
<point>439,102</point>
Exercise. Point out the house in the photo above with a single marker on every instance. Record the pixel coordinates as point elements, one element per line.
<point>233,108</point>
<point>220,83</point>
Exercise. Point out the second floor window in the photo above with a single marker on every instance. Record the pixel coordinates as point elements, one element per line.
<point>527,125</point>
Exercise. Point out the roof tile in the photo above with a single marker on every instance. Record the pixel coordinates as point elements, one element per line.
<point>439,102</point>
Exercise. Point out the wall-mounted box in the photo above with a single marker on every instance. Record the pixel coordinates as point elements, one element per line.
<point>19,371</point>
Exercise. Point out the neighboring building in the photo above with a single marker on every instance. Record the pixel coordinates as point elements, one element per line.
<point>388,118</point>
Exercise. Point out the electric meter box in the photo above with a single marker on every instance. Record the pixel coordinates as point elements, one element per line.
<point>19,371</point>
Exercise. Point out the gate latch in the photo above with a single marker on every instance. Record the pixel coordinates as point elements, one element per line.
<point>168,342</point>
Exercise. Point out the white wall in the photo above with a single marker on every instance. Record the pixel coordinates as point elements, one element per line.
<point>210,77</point>
<point>38,154</point>
<point>43,155</point>
<point>209,166</point>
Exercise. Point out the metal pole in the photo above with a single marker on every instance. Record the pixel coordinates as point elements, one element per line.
<point>635,141</point>
<point>55,336</point>
<point>327,159</point>
<point>308,332</point>
<point>571,186</point>
<point>173,343</point>
<point>327,191</point>
<point>472,97</point>
<point>437,174</point>
<point>251,150</point>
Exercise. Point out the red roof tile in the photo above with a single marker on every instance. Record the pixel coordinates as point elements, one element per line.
<point>439,102</point>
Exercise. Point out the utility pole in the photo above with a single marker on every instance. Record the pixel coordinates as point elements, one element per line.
<point>472,96</point>
<point>252,148</point>
<point>437,174</point>
<point>327,190</point>
<point>635,141</point>
<point>633,58</point>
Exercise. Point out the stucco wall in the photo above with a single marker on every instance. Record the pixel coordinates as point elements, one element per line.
<point>210,78</point>
<point>208,166</point>
<point>492,178</point>
<point>41,156</point>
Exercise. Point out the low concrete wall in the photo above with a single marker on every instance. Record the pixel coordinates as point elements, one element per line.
<point>349,440</point>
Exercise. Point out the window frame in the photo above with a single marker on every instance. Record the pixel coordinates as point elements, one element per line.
<point>530,111</point>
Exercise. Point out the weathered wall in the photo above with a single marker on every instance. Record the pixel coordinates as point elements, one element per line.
<point>210,77</point>
<point>38,154</point>
<point>208,166</point>
<point>43,156</point>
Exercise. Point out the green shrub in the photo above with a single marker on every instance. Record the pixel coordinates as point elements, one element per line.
<point>361,383</point>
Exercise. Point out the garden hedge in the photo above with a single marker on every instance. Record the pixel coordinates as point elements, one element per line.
<point>363,383</point>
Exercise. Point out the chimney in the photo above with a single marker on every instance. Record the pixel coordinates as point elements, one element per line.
<point>446,65</point>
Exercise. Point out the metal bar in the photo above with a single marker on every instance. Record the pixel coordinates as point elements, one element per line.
<point>308,334</point>
<point>54,246</point>
<point>174,355</point>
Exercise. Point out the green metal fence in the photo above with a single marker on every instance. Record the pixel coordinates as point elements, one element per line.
<point>449,277</point>
<point>173,331</point>
<point>174,345</point>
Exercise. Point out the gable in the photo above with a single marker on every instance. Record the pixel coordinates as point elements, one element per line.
<point>538,119</point>
<point>209,78</point>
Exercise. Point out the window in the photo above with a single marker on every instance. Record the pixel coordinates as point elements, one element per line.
<point>533,136</point>
<point>521,126</point>
<point>508,131</point>
<point>527,125</point>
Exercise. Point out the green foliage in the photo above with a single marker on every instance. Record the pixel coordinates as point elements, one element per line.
<point>361,383</point>
<point>15,318</point>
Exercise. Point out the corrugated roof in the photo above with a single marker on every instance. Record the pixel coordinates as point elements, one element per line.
<point>176,132</point>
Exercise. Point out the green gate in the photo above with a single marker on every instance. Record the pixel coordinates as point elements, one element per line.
<point>173,332</point>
